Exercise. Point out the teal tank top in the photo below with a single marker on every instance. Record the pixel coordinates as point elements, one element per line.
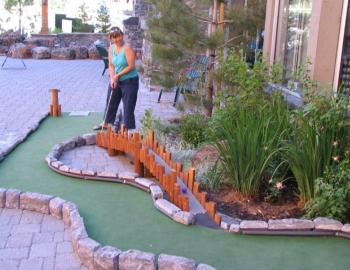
<point>119,62</point>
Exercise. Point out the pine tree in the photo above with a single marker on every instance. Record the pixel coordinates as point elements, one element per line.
<point>180,30</point>
<point>104,20</point>
<point>17,5</point>
<point>82,10</point>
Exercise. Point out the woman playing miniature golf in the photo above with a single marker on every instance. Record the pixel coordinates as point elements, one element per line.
<point>123,84</point>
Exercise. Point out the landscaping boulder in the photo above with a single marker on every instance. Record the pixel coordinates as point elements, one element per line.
<point>168,262</point>
<point>90,139</point>
<point>67,208</point>
<point>12,198</point>
<point>93,53</point>
<point>63,54</point>
<point>2,197</point>
<point>253,225</point>
<point>156,192</point>
<point>291,224</point>
<point>35,202</point>
<point>10,37</point>
<point>205,267</point>
<point>327,224</point>
<point>81,52</point>
<point>86,249</point>
<point>55,206</point>
<point>20,50</point>
<point>345,228</point>
<point>42,41</point>
<point>41,53</point>
<point>4,49</point>
<point>166,207</point>
<point>106,258</point>
<point>135,259</point>
<point>184,217</point>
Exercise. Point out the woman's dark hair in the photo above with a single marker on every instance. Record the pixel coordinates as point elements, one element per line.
<point>115,32</point>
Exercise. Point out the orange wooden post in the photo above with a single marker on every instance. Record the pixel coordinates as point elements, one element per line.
<point>177,193</point>
<point>186,204</point>
<point>203,198</point>
<point>150,138</point>
<point>211,208</point>
<point>168,158</point>
<point>172,185</point>
<point>217,219</point>
<point>161,150</point>
<point>195,189</point>
<point>151,164</point>
<point>55,107</point>
<point>179,167</point>
<point>138,166</point>
<point>161,174</point>
<point>191,178</point>
<point>185,178</point>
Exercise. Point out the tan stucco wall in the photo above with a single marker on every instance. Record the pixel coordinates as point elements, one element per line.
<point>324,38</point>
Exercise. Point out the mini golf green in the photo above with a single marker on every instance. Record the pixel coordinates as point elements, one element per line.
<point>124,217</point>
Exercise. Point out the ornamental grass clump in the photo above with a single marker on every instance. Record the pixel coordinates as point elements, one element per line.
<point>320,131</point>
<point>249,138</point>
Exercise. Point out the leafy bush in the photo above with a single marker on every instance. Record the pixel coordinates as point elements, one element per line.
<point>249,138</point>
<point>211,177</point>
<point>193,129</point>
<point>332,194</point>
<point>319,138</point>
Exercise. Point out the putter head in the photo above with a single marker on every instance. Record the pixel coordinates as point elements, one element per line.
<point>118,121</point>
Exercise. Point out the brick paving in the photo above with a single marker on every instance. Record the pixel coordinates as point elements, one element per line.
<point>24,98</point>
<point>96,159</point>
<point>34,241</point>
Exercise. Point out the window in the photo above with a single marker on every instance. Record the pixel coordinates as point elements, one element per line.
<point>292,36</point>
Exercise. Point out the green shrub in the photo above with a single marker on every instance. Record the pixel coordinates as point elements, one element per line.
<point>211,178</point>
<point>193,129</point>
<point>332,194</point>
<point>250,138</point>
<point>319,136</point>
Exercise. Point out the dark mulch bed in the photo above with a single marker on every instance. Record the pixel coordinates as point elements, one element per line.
<point>231,203</point>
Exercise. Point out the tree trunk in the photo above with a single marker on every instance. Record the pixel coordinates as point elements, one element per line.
<point>210,86</point>
<point>20,17</point>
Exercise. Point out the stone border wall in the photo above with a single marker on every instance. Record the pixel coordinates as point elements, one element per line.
<point>128,178</point>
<point>91,253</point>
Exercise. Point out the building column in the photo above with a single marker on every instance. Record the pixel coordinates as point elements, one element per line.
<point>323,41</point>
<point>44,17</point>
<point>270,32</point>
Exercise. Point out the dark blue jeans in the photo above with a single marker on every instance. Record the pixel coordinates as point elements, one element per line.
<point>125,91</point>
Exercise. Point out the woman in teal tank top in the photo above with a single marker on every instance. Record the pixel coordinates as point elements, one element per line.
<point>124,82</point>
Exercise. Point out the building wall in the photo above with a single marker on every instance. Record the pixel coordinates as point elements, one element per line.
<point>323,37</point>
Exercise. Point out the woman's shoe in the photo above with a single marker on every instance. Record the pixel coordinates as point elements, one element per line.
<point>99,127</point>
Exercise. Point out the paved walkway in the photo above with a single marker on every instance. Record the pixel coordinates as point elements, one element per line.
<point>97,159</point>
<point>34,241</point>
<point>24,96</point>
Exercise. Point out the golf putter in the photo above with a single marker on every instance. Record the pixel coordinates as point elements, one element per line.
<point>107,109</point>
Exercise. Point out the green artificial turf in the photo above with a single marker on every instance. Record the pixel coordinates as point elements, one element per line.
<point>124,216</point>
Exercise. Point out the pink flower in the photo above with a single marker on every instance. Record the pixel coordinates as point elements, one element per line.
<point>336,158</point>
<point>279,185</point>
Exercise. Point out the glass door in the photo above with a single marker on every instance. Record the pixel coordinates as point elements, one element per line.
<point>292,37</point>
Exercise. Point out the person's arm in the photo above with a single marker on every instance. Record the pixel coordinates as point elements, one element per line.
<point>111,68</point>
<point>130,58</point>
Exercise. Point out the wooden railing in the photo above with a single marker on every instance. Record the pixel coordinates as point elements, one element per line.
<point>149,158</point>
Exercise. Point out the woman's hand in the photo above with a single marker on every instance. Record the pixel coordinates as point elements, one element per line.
<point>116,77</point>
<point>113,83</point>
